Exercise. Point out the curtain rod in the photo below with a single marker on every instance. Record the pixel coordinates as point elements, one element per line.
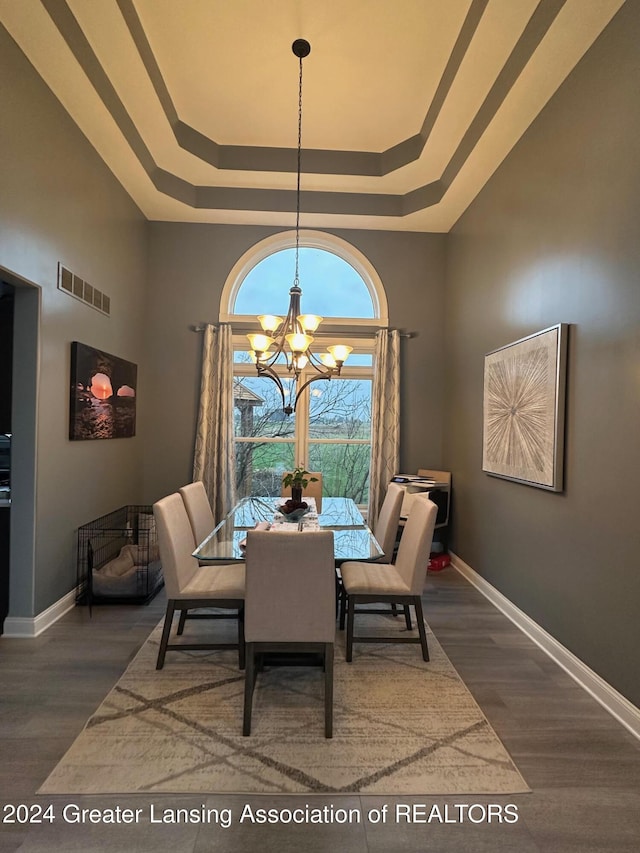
<point>201,327</point>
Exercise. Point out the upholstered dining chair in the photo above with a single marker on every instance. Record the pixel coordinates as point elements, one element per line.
<point>289,605</point>
<point>385,530</point>
<point>400,583</point>
<point>386,527</point>
<point>198,509</point>
<point>313,489</point>
<point>189,585</point>
<point>201,518</point>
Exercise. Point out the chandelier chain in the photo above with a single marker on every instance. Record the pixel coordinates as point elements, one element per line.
<point>296,279</point>
<point>293,335</point>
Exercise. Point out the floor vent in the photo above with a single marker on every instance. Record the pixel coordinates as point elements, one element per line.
<point>82,290</point>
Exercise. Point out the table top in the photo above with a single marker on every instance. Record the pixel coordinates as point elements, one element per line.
<point>352,538</point>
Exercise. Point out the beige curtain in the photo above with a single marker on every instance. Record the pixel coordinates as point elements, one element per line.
<point>385,432</point>
<point>214,457</point>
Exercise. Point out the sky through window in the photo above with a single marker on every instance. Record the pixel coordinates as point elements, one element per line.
<point>331,287</point>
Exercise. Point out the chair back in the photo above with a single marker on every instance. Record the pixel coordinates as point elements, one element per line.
<point>415,544</point>
<point>386,528</point>
<point>175,542</point>
<point>198,509</point>
<point>290,587</point>
<point>313,490</point>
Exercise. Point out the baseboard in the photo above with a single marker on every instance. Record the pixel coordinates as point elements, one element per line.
<point>23,627</point>
<point>615,703</point>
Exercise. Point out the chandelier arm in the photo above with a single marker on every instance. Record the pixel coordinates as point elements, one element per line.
<point>269,373</point>
<point>318,365</point>
<point>306,385</point>
<point>273,358</point>
<point>276,352</point>
<point>290,323</point>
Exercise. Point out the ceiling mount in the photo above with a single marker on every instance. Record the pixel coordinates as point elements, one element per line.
<point>301,48</point>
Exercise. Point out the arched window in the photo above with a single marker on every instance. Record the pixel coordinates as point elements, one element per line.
<point>330,430</point>
<point>337,281</point>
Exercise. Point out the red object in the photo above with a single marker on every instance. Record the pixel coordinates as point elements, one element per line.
<point>438,562</point>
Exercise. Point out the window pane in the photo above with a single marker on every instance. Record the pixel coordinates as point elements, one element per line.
<point>258,415</point>
<point>340,408</point>
<point>260,466</point>
<point>345,469</point>
<point>359,359</point>
<point>330,286</point>
<point>257,408</point>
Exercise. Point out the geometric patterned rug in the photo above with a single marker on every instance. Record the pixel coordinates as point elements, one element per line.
<point>401,726</point>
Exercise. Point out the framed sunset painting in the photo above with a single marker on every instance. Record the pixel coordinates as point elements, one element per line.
<point>103,395</point>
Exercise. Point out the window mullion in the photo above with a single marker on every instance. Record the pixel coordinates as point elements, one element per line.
<point>302,425</point>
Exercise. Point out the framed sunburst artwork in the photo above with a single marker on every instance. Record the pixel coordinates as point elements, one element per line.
<point>523,409</point>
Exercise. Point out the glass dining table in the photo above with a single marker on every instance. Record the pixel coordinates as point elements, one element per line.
<point>352,538</point>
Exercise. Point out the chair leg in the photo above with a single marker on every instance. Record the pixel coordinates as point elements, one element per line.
<point>394,609</point>
<point>407,617</point>
<point>241,645</point>
<point>343,607</point>
<point>421,629</point>
<point>328,690</point>
<point>350,615</point>
<point>168,619</point>
<point>249,681</point>
<point>181,621</point>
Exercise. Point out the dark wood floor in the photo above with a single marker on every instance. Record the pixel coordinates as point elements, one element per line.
<point>582,766</point>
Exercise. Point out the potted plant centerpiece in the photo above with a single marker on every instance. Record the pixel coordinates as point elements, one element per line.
<point>297,480</point>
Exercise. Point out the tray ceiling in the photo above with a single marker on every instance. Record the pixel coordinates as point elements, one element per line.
<point>409,106</point>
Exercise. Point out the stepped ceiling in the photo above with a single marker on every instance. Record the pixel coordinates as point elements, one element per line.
<point>409,106</point>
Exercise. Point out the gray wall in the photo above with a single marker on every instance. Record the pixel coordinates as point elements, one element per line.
<point>189,265</point>
<point>555,237</point>
<point>58,202</point>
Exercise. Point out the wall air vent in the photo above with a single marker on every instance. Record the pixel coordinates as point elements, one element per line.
<point>82,290</point>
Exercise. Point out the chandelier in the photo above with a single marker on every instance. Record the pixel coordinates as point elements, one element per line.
<point>292,336</point>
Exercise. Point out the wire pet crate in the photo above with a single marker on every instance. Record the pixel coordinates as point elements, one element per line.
<point>118,560</point>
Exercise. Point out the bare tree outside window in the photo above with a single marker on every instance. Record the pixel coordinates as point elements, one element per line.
<point>339,437</point>
<point>264,437</point>
<point>340,413</point>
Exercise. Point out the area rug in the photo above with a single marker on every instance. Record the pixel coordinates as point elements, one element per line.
<point>401,726</point>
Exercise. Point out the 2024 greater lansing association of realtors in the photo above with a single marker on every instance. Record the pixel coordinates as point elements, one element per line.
<point>408,813</point>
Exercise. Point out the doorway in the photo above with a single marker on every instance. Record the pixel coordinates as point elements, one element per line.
<point>7,294</point>
<point>20,314</point>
